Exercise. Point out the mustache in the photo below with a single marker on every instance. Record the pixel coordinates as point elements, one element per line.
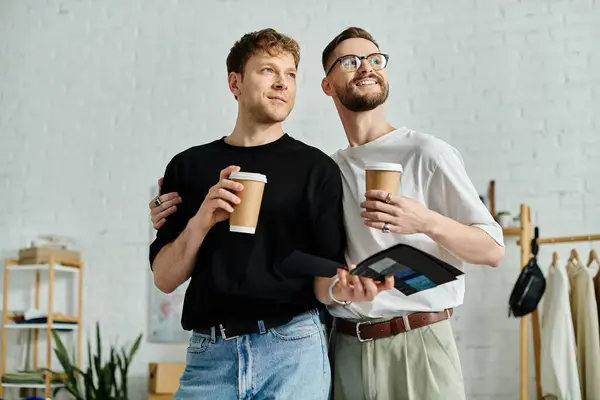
<point>376,78</point>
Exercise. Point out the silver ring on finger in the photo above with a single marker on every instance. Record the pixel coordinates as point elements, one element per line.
<point>388,199</point>
<point>157,201</point>
<point>386,228</point>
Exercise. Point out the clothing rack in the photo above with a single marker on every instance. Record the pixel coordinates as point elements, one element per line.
<point>529,242</point>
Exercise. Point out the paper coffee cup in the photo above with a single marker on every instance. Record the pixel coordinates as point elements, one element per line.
<point>245,215</point>
<point>383,176</point>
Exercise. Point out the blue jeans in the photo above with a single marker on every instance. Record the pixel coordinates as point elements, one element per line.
<point>287,362</point>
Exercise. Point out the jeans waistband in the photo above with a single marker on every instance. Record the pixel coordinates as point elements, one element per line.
<point>233,329</point>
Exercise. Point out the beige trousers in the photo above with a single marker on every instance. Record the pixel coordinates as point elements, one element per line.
<point>421,364</point>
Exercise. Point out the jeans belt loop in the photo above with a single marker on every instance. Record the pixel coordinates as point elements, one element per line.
<point>222,329</point>
<point>261,327</point>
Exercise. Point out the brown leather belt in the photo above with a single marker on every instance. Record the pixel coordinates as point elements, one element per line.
<point>365,331</point>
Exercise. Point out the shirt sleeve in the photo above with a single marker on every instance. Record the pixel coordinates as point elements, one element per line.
<point>176,222</point>
<point>451,193</point>
<point>327,215</point>
<point>327,249</point>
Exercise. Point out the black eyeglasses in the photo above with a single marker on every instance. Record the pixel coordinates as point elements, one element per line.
<point>351,62</point>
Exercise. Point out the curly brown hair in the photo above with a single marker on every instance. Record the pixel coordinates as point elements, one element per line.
<point>349,33</point>
<point>267,40</point>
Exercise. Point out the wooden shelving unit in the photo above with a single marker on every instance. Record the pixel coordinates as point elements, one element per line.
<point>55,321</point>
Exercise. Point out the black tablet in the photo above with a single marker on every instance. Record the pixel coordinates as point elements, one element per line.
<point>414,270</point>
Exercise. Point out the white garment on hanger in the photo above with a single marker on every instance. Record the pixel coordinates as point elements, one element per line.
<point>584,311</point>
<point>558,362</point>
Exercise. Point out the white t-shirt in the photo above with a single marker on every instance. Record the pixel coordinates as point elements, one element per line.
<point>434,174</point>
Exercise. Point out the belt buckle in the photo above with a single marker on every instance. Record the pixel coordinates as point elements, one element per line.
<point>222,329</point>
<point>358,325</point>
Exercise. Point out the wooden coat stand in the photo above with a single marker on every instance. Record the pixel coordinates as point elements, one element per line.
<point>525,233</point>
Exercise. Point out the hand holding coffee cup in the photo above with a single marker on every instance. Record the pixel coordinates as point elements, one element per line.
<point>384,177</point>
<point>220,201</point>
<point>397,214</point>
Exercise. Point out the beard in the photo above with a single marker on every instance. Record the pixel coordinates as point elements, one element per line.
<point>358,102</point>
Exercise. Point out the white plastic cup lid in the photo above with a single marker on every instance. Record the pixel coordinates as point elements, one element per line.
<point>248,176</point>
<point>383,166</point>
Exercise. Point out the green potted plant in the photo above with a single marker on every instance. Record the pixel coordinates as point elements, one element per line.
<point>103,379</point>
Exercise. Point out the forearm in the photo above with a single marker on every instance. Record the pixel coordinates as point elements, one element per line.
<point>175,262</point>
<point>469,243</point>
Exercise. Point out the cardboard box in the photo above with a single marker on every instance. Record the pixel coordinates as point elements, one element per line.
<point>42,255</point>
<point>164,377</point>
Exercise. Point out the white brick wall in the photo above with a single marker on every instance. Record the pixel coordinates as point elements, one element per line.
<point>96,97</point>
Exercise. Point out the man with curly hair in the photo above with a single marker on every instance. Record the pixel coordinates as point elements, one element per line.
<point>255,332</point>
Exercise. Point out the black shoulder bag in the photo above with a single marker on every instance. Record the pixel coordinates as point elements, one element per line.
<point>530,286</point>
